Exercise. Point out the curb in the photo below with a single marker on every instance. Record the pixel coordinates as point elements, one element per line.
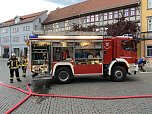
<point>145,72</point>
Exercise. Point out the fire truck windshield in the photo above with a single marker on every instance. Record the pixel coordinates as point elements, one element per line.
<point>128,45</point>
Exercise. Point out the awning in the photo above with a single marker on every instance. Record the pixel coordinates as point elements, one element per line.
<point>6,46</point>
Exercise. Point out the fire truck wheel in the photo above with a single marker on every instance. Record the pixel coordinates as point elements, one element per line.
<point>63,75</point>
<point>118,74</point>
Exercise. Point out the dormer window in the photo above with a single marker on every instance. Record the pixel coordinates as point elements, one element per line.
<point>17,19</point>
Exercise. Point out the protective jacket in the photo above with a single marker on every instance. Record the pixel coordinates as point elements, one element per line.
<point>23,62</point>
<point>13,63</point>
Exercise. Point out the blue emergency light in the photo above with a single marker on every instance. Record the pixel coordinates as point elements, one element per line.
<point>33,36</point>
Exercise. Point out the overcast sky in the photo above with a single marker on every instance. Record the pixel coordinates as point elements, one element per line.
<point>10,8</point>
<point>65,2</point>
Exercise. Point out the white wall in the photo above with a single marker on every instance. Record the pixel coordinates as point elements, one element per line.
<point>37,23</point>
<point>18,37</point>
<point>4,39</point>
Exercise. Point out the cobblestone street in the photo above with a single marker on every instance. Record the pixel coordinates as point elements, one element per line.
<point>140,84</point>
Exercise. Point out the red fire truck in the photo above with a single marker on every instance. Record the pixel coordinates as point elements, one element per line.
<point>65,57</point>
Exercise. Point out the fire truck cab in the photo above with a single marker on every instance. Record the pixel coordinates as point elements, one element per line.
<point>65,57</point>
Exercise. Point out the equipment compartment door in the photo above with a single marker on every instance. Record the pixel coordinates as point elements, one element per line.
<point>88,69</point>
<point>88,57</point>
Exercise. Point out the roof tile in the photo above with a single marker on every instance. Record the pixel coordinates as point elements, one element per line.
<point>86,7</point>
<point>24,19</point>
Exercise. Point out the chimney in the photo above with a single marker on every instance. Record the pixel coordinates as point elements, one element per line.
<point>57,8</point>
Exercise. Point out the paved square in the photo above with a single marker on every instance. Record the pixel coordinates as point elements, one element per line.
<point>140,84</point>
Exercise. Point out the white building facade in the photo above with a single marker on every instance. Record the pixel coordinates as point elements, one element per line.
<point>14,33</point>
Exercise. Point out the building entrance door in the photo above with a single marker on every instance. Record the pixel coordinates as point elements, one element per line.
<point>6,53</point>
<point>17,51</point>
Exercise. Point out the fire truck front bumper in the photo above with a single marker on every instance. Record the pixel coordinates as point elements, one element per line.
<point>133,68</point>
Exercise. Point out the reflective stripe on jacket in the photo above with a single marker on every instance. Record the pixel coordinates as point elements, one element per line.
<point>23,62</point>
<point>13,63</point>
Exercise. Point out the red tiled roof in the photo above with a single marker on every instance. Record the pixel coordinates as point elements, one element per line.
<point>24,19</point>
<point>86,7</point>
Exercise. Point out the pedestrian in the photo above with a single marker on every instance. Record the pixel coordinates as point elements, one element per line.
<point>23,64</point>
<point>13,65</point>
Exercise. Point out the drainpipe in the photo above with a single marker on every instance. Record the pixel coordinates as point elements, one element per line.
<point>10,42</point>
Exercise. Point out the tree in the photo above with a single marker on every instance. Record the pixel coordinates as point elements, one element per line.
<point>122,27</point>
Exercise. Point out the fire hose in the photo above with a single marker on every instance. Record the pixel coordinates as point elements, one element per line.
<point>30,93</point>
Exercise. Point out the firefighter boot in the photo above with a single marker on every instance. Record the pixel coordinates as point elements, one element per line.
<point>18,79</point>
<point>11,80</point>
<point>24,75</point>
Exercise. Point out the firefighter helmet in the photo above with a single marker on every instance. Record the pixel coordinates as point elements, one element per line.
<point>13,54</point>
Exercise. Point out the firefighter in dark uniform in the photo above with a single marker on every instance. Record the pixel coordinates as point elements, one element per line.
<point>13,65</point>
<point>23,64</point>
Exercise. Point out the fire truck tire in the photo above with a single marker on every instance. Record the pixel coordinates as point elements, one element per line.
<point>63,75</point>
<point>118,74</point>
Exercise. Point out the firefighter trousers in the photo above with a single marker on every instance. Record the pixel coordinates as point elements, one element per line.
<point>16,73</point>
<point>24,70</point>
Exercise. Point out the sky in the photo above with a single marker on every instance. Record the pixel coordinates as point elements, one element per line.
<point>11,8</point>
<point>66,2</point>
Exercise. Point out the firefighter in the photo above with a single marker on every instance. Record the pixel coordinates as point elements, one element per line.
<point>23,64</point>
<point>13,65</point>
<point>141,64</point>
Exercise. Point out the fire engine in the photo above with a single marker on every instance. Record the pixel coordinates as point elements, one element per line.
<point>65,57</point>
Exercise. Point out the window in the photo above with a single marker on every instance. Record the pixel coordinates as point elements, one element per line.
<point>116,14</point>
<point>128,45</point>
<point>120,13</point>
<point>126,12</point>
<point>80,20</point>
<point>88,19</point>
<point>50,27</point>
<point>35,27</point>
<point>16,39</point>
<point>67,24</point>
<point>105,16</point>
<point>5,31</point>
<point>24,28</point>
<point>96,17</point>
<point>132,11</point>
<point>39,20</point>
<point>17,20</point>
<point>61,25</point>
<point>15,30</point>
<point>84,20</point>
<point>5,39</point>
<point>110,15</point>
<point>149,51</point>
<point>92,18</point>
<point>57,25</point>
<point>28,28</point>
<point>149,3</point>
<point>101,17</point>
<point>149,24</point>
